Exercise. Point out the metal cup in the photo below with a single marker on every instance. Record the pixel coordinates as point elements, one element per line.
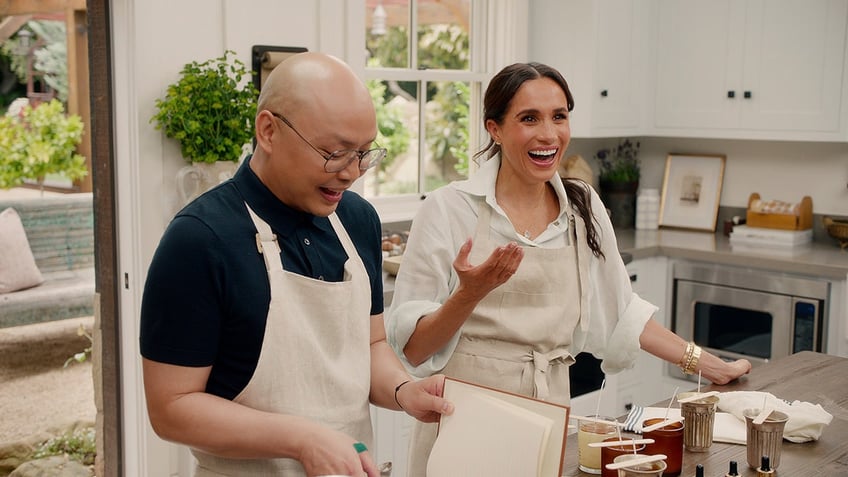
<point>764,439</point>
<point>700,418</point>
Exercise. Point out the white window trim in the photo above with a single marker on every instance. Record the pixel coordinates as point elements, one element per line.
<point>501,42</point>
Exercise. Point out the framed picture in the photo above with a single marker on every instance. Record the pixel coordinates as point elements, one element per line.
<point>691,191</point>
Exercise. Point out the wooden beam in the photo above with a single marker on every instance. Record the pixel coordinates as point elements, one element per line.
<point>10,25</point>
<point>22,7</point>
<point>110,433</point>
<point>78,89</point>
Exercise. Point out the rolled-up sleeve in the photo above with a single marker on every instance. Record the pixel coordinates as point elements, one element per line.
<point>426,277</point>
<point>617,315</point>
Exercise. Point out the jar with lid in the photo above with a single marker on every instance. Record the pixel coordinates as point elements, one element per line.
<point>648,209</point>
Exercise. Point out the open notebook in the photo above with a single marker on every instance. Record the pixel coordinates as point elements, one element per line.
<point>494,433</point>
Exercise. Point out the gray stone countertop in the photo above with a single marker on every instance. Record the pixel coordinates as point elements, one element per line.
<point>817,259</point>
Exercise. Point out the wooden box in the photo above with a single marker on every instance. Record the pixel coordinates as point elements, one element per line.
<point>802,220</point>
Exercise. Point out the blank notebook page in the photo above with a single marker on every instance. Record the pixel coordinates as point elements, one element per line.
<point>486,436</point>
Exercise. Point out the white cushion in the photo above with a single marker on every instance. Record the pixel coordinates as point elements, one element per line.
<point>17,265</point>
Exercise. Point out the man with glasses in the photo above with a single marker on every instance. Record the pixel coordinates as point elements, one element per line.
<point>262,318</point>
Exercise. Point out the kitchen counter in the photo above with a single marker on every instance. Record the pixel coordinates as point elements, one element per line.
<point>817,259</point>
<point>804,376</point>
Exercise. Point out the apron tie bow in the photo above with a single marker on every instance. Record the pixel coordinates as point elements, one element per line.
<point>541,363</point>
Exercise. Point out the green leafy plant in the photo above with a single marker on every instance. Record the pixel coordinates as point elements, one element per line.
<point>41,141</point>
<point>619,164</point>
<point>83,355</point>
<point>79,445</point>
<point>210,110</point>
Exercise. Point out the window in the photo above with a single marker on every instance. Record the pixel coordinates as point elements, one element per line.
<point>424,70</point>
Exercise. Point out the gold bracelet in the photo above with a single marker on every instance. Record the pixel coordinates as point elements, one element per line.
<point>693,363</point>
<point>687,355</point>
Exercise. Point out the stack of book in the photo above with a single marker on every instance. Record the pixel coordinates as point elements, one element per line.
<point>745,238</point>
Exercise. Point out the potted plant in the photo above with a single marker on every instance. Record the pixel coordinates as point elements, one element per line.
<point>619,180</point>
<point>210,111</point>
<point>40,141</point>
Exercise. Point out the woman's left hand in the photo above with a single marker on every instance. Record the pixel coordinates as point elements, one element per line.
<point>730,371</point>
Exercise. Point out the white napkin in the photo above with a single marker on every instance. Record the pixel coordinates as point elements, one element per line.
<point>806,420</point>
<point>727,428</point>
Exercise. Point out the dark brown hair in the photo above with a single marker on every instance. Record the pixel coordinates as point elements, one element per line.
<point>502,88</point>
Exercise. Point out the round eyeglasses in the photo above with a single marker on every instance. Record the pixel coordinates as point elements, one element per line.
<point>339,160</point>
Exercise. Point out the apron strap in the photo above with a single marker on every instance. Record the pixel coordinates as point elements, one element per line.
<point>266,241</point>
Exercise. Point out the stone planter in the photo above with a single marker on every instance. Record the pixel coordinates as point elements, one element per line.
<point>197,178</point>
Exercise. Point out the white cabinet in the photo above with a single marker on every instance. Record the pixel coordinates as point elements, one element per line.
<point>837,319</point>
<point>392,430</point>
<point>756,69</point>
<point>599,46</point>
<point>642,385</point>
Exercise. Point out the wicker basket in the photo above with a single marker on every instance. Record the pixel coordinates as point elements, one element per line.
<point>837,229</point>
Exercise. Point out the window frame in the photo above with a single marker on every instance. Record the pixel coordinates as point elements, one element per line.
<point>498,37</point>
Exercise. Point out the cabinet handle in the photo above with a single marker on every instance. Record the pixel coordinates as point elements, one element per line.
<point>747,95</point>
<point>731,94</point>
<point>633,277</point>
<point>604,93</point>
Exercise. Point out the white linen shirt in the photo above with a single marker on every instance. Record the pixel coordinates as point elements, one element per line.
<point>612,316</point>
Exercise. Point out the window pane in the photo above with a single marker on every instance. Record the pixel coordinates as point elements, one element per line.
<point>446,157</point>
<point>387,35</point>
<point>443,30</point>
<point>396,103</point>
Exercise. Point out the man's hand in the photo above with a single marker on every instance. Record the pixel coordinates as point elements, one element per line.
<point>423,399</point>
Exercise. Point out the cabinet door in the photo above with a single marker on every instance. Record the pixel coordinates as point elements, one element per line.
<point>699,63</point>
<point>641,385</point>
<point>598,46</point>
<point>619,90</point>
<point>794,56</point>
<point>756,69</point>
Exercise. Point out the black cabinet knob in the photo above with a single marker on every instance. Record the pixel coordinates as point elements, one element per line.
<point>731,94</point>
<point>747,95</point>
<point>604,93</point>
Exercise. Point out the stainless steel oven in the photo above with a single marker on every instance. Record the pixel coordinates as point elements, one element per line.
<point>735,312</point>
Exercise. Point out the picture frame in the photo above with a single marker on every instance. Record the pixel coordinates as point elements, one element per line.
<point>691,191</point>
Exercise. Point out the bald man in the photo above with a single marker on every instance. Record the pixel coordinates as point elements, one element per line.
<point>262,335</point>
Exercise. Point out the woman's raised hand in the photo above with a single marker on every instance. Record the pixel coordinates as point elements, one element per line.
<point>480,279</point>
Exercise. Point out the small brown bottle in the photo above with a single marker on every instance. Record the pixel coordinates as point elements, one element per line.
<point>732,470</point>
<point>765,469</point>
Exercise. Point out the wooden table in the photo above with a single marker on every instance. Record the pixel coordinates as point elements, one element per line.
<point>806,376</point>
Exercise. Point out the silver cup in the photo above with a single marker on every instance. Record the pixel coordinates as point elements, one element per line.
<point>699,417</point>
<point>764,439</point>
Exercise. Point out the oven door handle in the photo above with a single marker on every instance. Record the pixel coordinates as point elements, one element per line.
<point>731,356</point>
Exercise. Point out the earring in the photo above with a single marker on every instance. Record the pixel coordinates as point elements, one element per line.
<point>497,143</point>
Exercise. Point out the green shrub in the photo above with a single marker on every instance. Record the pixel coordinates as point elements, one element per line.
<point>210,110</point>
<point>79,445</point>
<point>42,141</point>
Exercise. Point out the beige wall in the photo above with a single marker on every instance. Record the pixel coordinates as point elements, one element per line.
<point>777,170</point>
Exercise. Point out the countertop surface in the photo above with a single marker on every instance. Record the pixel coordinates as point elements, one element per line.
<point>804,376</point>
<point>817,259</point>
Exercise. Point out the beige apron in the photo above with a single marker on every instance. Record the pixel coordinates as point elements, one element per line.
<point>516,338</point>
<point>315,358</point>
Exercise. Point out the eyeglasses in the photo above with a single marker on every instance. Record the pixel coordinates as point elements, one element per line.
<point>339,160</point>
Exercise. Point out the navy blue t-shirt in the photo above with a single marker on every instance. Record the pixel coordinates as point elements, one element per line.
<point>207,294</point>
